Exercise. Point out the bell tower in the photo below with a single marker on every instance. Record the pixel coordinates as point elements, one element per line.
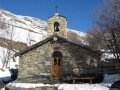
<point>57,24</point>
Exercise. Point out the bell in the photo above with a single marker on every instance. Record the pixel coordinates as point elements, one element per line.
<point>57,29</point>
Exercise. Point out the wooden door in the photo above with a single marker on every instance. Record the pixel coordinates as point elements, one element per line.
<point>57,68</point>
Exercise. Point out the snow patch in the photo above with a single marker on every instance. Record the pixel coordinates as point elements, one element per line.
<point>110,79</point>
<point>82,87</point>
<point>28,85</point>
<point>3,88</point>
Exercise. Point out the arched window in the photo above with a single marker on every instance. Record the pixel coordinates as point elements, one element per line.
<point>56,27</point>
<point>57,58</point>
<point>57,54</point>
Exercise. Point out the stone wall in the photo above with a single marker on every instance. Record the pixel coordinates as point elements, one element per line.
<point>111,66</point>
<point>77,61</point>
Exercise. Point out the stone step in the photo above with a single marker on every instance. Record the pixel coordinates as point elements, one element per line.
<point>8,87</point>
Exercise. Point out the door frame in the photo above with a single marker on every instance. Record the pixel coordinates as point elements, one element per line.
<point>57,68</point>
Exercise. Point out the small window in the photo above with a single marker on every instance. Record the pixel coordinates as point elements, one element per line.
<point>55,61</point>
<point>59,61</point>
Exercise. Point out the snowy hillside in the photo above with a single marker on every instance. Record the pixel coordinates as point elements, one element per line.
<point>79,36</point>
<point>24,26</point>
<point>18,29</point>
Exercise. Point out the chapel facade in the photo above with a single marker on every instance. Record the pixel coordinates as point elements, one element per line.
<point>56,58</point>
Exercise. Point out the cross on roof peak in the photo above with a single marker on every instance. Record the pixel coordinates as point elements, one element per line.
<point>56,8</point>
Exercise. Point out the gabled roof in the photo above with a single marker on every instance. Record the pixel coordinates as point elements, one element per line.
<point>47,40</point>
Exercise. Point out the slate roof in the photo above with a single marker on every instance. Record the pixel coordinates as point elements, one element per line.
<point>49,39</point>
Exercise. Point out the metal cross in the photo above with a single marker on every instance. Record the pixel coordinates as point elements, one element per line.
<point>56,8</point>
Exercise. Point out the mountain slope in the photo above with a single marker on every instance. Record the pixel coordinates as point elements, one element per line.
<point>29,29</point>
<point>24,26</point>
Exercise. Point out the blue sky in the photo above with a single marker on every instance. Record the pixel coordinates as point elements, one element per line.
<point>77,12</point>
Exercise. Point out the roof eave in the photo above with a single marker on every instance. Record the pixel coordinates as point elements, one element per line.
<point>48,39</point>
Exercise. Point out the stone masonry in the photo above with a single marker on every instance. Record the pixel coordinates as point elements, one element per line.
<point>76,61</point>
<point>63,25</point>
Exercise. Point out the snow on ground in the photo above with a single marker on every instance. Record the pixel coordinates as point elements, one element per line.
<point>106,54</point>
<point>82,87</point>
<point>6,75</point>
<point>110,79</point>
<point>28,85</point>
<point>105,85</point>
<point>3,89</point>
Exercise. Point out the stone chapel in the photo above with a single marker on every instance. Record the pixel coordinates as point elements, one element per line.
<point>56,57</point>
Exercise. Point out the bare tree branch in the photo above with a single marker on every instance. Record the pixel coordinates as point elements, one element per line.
<point>107,21</point>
